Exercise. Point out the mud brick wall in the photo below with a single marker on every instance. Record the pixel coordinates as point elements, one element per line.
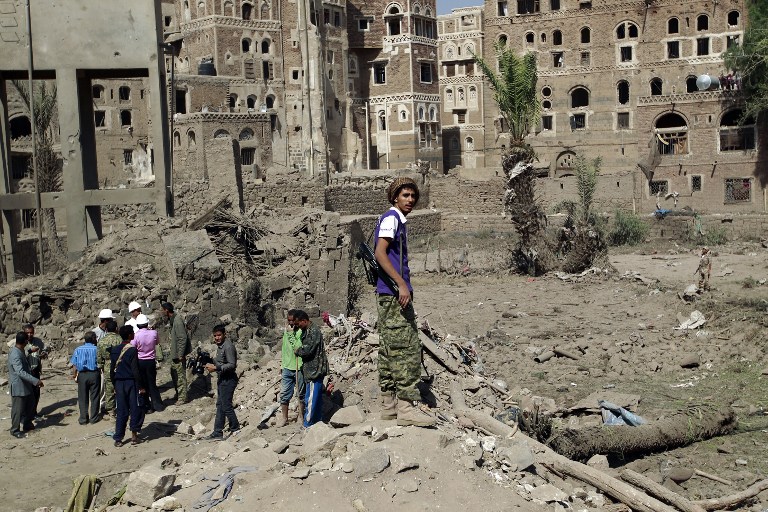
<point>283,194</point>
<point>735,227</point>
<point>470,197</point>
<point>420,223</point>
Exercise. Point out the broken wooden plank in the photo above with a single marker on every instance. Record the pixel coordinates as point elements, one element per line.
<point>659,491</point>
<point>441,355</point>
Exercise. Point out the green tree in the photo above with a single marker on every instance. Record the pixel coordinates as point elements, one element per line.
<point>750,59</point>
<point>514,90</point>
<point>49,168</point>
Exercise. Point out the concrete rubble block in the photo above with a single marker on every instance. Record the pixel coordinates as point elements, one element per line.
<point>323,465</point>
<point>300,474</point>
<point>548,493</point>
<point>148,484</point>
<point>264,459</point>
<point>289,458</point>
<point>198,428</point>
<point>192,256</point>
<point>223,450</point>
<point>278,446</point>
<point>598,462</point>
<point>167,503</point>
<point>470,384</point>
<point>347,416</point>
<point>517,455</point>
<point>184,428</point>
<point>371,462</point>
<point>319,437</point>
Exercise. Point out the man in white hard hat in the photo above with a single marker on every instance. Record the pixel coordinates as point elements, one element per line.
<point>104,316</point>
<point>134,309</point>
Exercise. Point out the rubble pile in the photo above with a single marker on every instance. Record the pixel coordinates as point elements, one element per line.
<point>200,267</point>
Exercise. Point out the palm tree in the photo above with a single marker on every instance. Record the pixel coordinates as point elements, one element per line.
<point>49,168</point>
<point>514,90</point>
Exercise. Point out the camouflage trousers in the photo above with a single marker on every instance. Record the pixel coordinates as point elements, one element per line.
<point>179,379</point>
<point>108,393</point>
<point>399,349</point>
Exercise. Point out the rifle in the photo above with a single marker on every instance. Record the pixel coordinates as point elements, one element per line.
<point>372,269</point>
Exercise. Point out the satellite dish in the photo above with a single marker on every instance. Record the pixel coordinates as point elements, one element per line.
<point>707,82</point>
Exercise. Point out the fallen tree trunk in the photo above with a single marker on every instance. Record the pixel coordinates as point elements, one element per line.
<point>660,491</point>
<point>734,499</point>
<point>613,487</point>
<point>678,430</point>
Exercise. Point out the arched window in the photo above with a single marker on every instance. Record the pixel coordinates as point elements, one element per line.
<point>265,46</point>
<point>449,96</point>
<point>432,114</point>
<point>736,136</point>
<point>529,37</point>
<point>469,144</point>
<point>125,118</point>
<point>416,9</point>
<point>20,127</point>
<point>565,161</point>
<point>626,30</point>
<point>352,65</point>
<point>270,101</point>
<point>421,113</point>
<point>690,84</point>
<point>394,18</point>
<point>191,139</point>
<point>265,11</point>
<point>543,37</point>
<point>460,95</point>
<point>229,9</point>
<point>201,8</point>
<point>233,101</point>
<point>246,134</point>
<point>702,22</point>
<point>454,144</point>
<point>586,35</point>
<point>449,52</point>
<point>403,114</point>
<point>579,97</point>
<point>221,134</point>
<point>98,92</point>
<point>176,139</point>
<point>502,41</point>
<point>622,90</point>
<point>382,120</point>
<point>673,26</point>
<point>672,134</point>
<point>472,94</point>
<point>733,18</point>
<point>469,48</point>
<point>428,12</point>
<point>246,45</point>
<point>251,101</point>
<point>247,10</point>
<point>557,38</point>
<point>124,93</point>
<point>657,87</point>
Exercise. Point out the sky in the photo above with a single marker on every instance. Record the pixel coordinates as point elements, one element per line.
<point>445,6</point>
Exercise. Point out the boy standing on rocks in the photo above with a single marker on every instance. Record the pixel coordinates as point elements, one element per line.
<point>400,350</point>
<point>290,369</point>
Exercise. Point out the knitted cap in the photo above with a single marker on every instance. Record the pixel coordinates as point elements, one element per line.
<point>398,183</point>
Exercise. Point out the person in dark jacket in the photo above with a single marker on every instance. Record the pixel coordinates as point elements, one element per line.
<point>129,387</point>
<point>22,383</point>
<point>314,367</point>
<point>225,364</point>
<point>181,347</point>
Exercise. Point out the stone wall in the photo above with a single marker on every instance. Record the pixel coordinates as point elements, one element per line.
<point>735,227</point>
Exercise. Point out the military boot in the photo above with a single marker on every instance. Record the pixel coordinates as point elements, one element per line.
<point>414,413</point>
<point>388,406</point>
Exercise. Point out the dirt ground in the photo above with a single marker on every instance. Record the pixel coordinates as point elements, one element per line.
<point>625,327</point>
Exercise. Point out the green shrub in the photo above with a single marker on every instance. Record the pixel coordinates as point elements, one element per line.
<point>716,236</point>
<point>628,229</point>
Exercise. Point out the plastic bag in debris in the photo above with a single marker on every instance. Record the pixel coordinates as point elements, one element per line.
<point>615,415</point>
<point>510,416</point>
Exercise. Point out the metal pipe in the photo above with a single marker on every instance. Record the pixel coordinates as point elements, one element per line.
<point>30,70</point>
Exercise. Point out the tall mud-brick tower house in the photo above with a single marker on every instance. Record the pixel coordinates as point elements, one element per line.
<point>617,79</point>
<point>393,83</point>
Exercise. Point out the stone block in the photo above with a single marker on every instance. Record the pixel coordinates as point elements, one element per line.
<point>371,462</point>
<point>148,484</point>
<point>347,416</point>
<point>192,256</point>
<point>319,437</point>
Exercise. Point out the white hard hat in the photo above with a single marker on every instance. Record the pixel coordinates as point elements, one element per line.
<point>133,306</point>
<point>142,320</point>
<point>106,313</point>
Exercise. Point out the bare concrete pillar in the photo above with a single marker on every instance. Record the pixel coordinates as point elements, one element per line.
<point>7,225</point>
<point>161,137</point>
<point>78,152</point>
